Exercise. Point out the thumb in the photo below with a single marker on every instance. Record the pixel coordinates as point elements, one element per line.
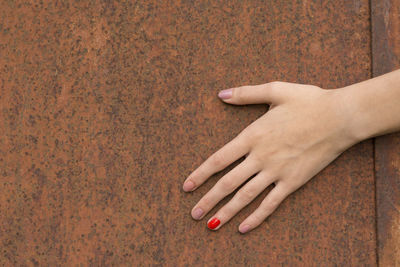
<point>268,93</point>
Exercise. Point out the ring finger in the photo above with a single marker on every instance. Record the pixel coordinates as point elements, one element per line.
<point>242,198</point>
<point>226,185</point>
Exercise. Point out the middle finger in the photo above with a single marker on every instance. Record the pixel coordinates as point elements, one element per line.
<point>226,185</point>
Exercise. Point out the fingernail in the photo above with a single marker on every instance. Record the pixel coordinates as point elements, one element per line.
<point>244,228</point>
<point>213,223</point>
<point>225,94</point>
<point>188,185</point>
<point>197,213</point>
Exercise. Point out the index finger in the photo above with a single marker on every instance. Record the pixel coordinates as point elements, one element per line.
<point>218,161</point>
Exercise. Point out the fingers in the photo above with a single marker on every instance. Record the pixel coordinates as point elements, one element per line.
<point>267,206</point>
<point>229,153</point>
<point>272,93</point>
<point>243,197</point>
<point>226,185</point>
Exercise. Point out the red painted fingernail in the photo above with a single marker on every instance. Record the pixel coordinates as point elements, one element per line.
<point>213,223</point>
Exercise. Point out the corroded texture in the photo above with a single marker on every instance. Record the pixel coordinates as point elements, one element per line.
<point>386,58</point>
<point>107,106</point>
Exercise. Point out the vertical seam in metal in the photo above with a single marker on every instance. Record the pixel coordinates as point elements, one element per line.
<point>371,21</point>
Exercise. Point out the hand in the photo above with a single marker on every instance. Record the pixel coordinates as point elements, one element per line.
<point>305,128</point>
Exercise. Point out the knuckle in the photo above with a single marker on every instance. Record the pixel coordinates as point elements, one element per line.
<point>258,218</point>
<point>205,203</point>
<point>289,186</point>
<point>227,211</point>
<point>238,93</point>
<point>249,133</point>
<point>254,132</point>
<point>275,88</point>
<point>272,204</point>
<point>217,159</point>
<point>250,136</point>
<point>225,185</point>
<point>246,135</point>
<point>246,194</point>
<point>257,159</point>
<point>275,84</point>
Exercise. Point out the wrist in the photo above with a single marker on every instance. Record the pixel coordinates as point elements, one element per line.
<point>356,111</point>
<point>337,116</point>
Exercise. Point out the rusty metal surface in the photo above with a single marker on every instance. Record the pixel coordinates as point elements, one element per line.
<point>107,106</point>
<point>386,57</point>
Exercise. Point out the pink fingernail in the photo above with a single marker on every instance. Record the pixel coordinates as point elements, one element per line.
<point>245,228</point>
<point>188,185</point>
<point>197,213</point>
<point>225,94</point>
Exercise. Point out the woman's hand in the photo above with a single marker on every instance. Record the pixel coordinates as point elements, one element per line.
<point>305,128</point>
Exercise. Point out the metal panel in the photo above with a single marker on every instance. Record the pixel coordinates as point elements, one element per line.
<point>386,57</point>
<point>107,106</point>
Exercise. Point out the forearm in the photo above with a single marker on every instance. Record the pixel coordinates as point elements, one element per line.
<point>373,105</point>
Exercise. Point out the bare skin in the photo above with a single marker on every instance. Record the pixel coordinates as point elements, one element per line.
<point>305,128</point>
